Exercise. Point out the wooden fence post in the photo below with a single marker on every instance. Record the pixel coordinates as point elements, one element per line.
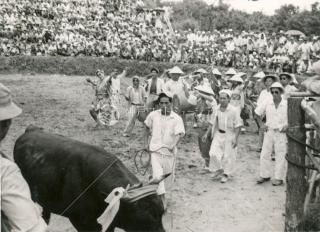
<point>296,182</point>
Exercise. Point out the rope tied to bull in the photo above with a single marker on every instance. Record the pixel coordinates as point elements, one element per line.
<point>140,163</point>
<point>87,188</point>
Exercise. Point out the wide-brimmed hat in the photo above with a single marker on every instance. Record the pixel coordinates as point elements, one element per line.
<point>277,85</point>
<point>226,91</point>
<point>201,70</point>
<point>287,75</point>
<point>274,77</point>
<point>216,72</point>
<point>237,78</point>
<point>259,75</point>
<point>8,109</point>
<point>175,70</point>
<point>204,89</point>
<point>230,71</point>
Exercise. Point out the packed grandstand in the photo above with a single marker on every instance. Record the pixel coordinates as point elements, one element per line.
<point>128,30</point>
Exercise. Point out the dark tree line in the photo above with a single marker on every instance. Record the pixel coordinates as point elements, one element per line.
<point>196,14</point>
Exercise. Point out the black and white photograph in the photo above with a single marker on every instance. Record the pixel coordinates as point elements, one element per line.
<point>160,115</point>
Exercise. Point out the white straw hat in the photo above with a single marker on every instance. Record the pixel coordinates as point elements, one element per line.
<point>216,72</point>
<point>236,78</point>
<point>226,91</point>
<point>8,109</point>
<point>277,85</point>
<point>259,75</point>
<point>201,70</point>
<point>175,70</point>
<point>231,71</point>
<point>205,89</point>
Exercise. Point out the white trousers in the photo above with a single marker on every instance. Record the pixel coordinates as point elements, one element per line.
<point>222,154</point>
<point>278,141</point>
<point>163,164</point>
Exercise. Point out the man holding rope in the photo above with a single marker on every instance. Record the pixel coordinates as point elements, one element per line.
<point>165,128</point>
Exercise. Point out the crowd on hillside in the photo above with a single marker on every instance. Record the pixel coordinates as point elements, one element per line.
<point>75,28</point>
<point>130,31</point>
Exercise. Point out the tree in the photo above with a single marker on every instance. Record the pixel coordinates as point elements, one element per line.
<point>196,14</point>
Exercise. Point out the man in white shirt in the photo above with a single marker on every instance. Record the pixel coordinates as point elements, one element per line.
<point>136,97</point>
<point>18,211</point>
<point>153,88</point>
<point>291,47</point>
<point>176,86</point>
<point>164,128</point>
<point>225,128</point>
<point>305,49</point>
<point>265,95</point>
<point>276,126</point>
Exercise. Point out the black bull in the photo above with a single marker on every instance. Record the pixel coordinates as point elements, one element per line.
<point>58,170</point>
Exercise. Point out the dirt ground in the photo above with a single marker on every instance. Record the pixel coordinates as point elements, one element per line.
<point>60,104</point>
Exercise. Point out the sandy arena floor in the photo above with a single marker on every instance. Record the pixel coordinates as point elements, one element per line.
<point>60,104</point>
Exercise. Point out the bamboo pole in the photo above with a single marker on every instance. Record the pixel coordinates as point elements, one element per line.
<point>303,94</point>
<point>296,183</point>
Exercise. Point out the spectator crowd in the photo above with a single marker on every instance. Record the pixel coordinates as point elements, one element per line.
<point>126,29</point>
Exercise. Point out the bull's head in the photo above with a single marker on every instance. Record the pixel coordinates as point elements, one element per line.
<point>136,192</point>
<point>140,208</point>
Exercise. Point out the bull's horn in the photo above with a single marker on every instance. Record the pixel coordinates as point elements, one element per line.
<point>158,180</point>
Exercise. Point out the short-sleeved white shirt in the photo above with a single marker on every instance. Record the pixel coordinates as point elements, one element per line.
<point>265,95</point>
<point>164,129</point>
<point>277,118</point>
<point>228,120</point>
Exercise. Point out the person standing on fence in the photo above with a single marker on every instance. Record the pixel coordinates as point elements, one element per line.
<point>275,136</point>
<point>18,211</point>
<point>225,129</point>
<point>136,97</point>
<point>153,88</point>
<point>264,96</point>
<point>164,128</point>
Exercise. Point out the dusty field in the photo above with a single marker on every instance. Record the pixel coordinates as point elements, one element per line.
<point>60,104</point>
